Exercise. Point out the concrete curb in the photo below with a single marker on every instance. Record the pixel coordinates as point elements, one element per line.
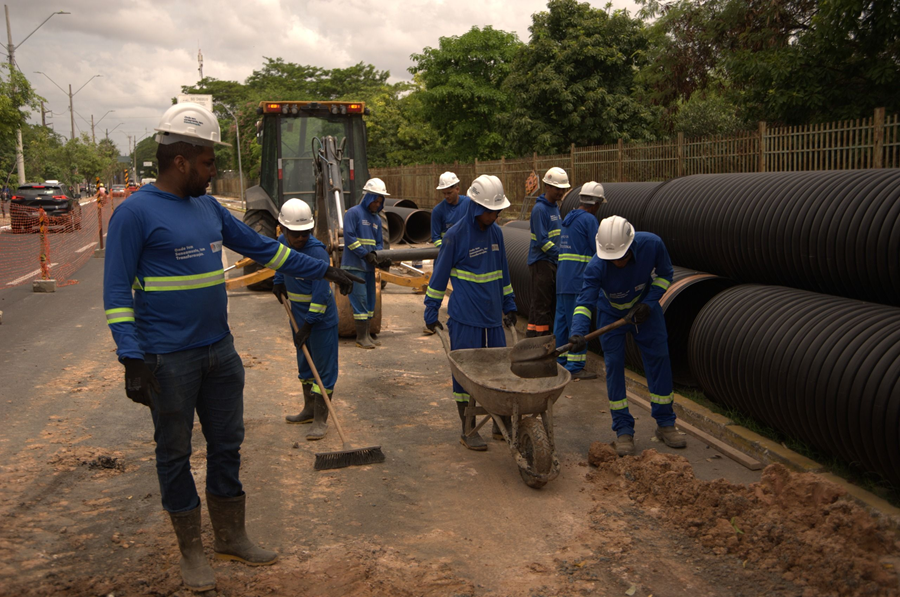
<point>753,444</point>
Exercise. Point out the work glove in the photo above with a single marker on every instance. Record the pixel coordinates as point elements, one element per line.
<point>302,335</point>
<point>434,326</point>
<point>343,279</point>
<point>371,258</point>
<point>280,292</point>
<point>639,313</point>
<point>139,381</point>
<point>385,263</point>
<point>578,343</point>
<point>510,319</point>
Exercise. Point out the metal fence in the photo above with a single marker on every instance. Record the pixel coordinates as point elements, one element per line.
<point>862,143</point>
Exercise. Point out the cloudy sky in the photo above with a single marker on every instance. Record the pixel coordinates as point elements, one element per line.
<point>145,50</point>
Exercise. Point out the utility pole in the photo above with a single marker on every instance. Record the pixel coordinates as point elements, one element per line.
<point>93,138</point>
<point>43,115</point>
<point>70,94</point>
<point>71,112</point>
<point>11,51</point>
<point>200,61</point>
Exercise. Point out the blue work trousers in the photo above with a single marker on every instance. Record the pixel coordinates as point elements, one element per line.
<point>362,297</point>
<point>565,310</point>
<point>209,380</point>
<point>467,336</point>
<point>653,341</point>
<point>323,348</point>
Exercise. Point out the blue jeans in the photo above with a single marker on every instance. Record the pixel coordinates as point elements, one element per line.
<point>209,380</point>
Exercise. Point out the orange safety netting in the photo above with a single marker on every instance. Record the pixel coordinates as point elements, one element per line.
<point>34,245</point>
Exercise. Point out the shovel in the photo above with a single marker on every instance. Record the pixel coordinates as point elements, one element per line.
<point>536,357</point>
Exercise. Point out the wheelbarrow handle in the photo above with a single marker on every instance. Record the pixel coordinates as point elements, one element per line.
<point>595,334</point>
<point>444,339</point>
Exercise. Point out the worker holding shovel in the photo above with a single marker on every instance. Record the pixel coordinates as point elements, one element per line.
<point>627,277</point>
<point>313,306</point>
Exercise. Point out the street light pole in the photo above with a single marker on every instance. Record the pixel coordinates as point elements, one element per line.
<point>70,94</point>
<point>11,51</point>
<point>237,130</point>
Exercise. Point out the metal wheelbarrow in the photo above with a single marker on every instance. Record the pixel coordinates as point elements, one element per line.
<point>496,391</point>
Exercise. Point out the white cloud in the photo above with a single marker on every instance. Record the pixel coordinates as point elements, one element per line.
<point>146,50</point>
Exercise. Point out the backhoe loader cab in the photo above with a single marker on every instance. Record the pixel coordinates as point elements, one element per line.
<point>302,142</point>
<point>290,135</point>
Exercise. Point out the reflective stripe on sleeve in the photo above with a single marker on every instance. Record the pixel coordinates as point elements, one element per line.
<point>547,246</point>
<point>435,294</point>
<point>317,308</point>
<point>662,283</point>
<point>575,257</point>
<point>279,258</point>
<point>438,242</point>
<point>577,357</point>
<point>583,311</point>
<point>507,290</point>
<point>119,315</point>
<point>353,246</point>
<point>159,283</point>
<point>553,233</point>
<point>479,278</point>
<point>533,237</point>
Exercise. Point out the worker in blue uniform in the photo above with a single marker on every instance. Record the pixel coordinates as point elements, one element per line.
<point>313,306</point>
<point>362,238</point>
<point>626,278</point>
<point>473,254</point>
<point>576,248</point>
<point>449,211</point>
<point>543,252</point>
<point>165,301</point>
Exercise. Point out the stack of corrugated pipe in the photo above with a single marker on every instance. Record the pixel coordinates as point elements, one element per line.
<point>406,222</point>
<point>796,322</point>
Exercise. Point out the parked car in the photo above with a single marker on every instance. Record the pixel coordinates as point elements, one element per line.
<point>132,187</point>
<point>58,202</point>
<point>117,190</point>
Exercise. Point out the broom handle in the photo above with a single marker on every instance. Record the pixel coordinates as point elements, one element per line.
<point>315,371</point>
<point>596,333</point>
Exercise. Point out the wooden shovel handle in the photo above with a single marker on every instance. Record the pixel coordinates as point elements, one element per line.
<point>595,334</point>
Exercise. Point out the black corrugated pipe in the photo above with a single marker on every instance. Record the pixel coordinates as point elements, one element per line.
<point>836,232</point>
<point>517,242</point>
<point>520,224</point>
<point>394,202</point>
<point>416,223</point>
<point>689,292</point>
<point>396,225</point>
<point>820,368</point>
<point>625,199</point>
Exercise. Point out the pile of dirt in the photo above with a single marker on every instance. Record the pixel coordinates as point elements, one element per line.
<point>795,524</point>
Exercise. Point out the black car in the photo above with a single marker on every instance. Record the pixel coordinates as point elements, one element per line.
<point>60,204</point>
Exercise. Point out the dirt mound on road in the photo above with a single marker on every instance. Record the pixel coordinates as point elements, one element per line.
<point>798,525</point>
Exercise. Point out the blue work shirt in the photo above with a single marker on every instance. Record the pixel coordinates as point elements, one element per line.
<point>362,234</point>
<point>444,216</point>
<point>312,301</point>
<point>577,246</point>
<point>545,230</point>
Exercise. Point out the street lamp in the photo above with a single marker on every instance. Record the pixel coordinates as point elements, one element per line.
<point>93,139</point>
<point>237,130</point>
<point>108,131</point>
<point>11,51</point>
<point>70,94</point>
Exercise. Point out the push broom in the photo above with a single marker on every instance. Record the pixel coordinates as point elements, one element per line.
<point>349,456</point>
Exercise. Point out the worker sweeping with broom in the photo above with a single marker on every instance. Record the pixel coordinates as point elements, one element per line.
<point>313,306</point>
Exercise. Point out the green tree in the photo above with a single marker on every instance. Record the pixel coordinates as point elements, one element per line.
<point>17,100</point>
<point>145,151</point>
<point>791,62</point>
<point>574,80</point>
<point>463,96</point>
<point>707,113</point>
<point>398,132</point>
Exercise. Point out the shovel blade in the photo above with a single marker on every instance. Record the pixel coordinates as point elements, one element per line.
<point>532,349</point>
<point>535,369</point>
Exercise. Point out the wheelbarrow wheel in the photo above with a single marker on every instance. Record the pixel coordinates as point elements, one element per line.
<point>534,446</point>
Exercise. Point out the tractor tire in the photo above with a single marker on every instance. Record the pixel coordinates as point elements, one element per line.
<point>262,222</point>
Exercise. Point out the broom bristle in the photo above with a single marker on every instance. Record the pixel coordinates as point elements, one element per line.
<point>345,458</point>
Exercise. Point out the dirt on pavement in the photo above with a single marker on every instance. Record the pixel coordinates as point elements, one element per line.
<point>80,513</point>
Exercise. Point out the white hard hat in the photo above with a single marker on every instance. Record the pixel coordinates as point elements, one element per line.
<point>487,191</point>
<point>557,177</point>
<point>592,192</point>
<point>614,237</point>
<point>189,123</point>
<point>376,185</point>
<point>447,180</point>
<point>296,215</point>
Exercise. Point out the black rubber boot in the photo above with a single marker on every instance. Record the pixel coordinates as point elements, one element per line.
<point>232,543</point>
<point>306,415</point>
<point>474,441</point>
<point>195,569</point>
<point>362,334</point>
<point>372,337</point>
<point>320,422</point>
